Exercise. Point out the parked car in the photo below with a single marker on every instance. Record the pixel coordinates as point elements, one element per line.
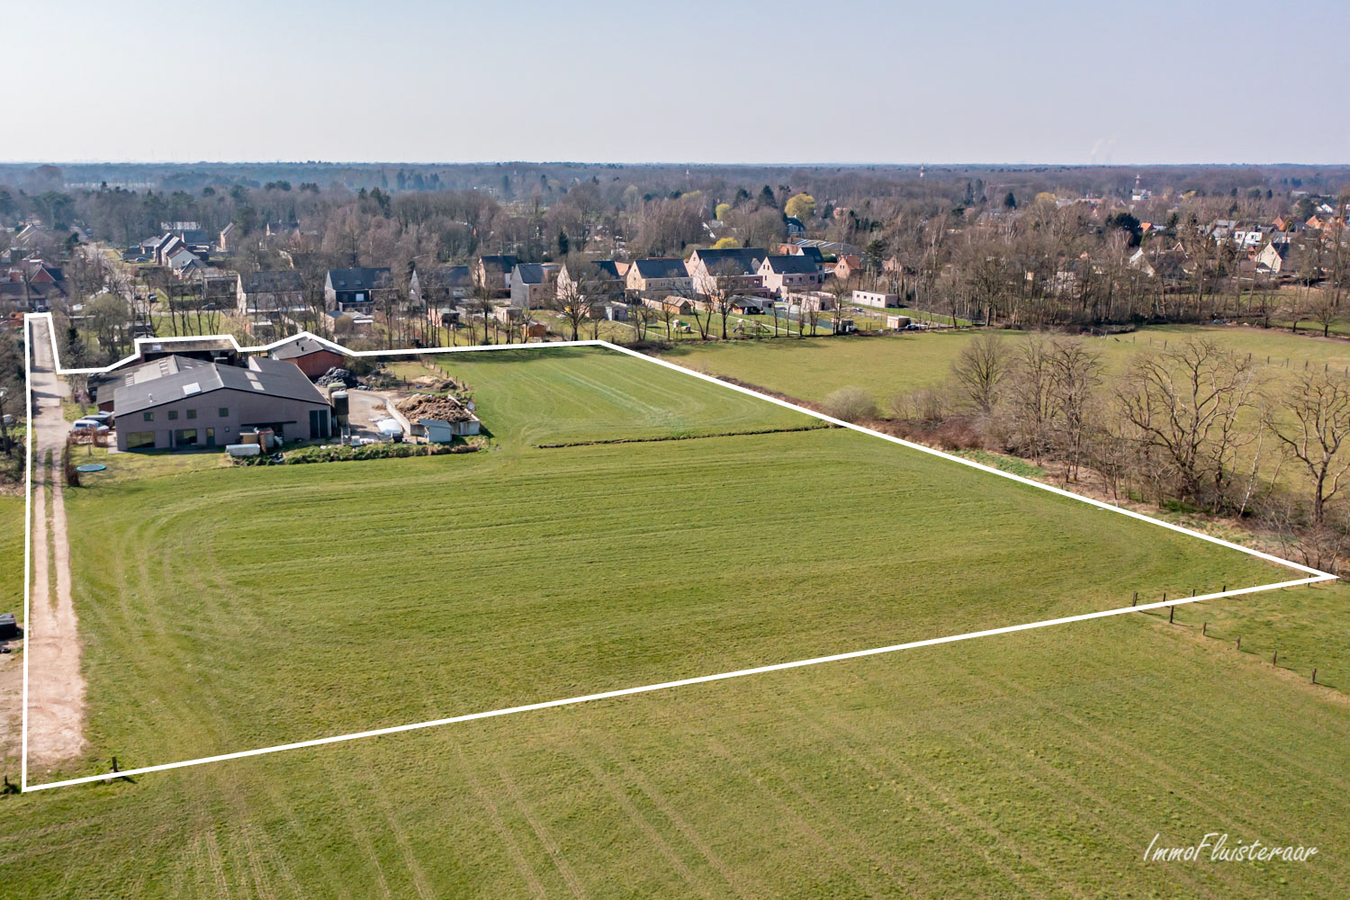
<point>89,425</point>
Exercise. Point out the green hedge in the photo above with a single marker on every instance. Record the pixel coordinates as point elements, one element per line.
<point>341,453</point>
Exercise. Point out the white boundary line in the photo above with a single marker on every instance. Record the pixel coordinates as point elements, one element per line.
<point>1315,576</point>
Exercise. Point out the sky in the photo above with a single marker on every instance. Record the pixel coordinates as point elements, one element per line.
<point>847,81</point>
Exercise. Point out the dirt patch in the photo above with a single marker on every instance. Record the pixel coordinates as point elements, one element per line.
<point>56,688</point>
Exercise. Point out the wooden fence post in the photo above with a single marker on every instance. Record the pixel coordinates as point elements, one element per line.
<point>1238,645</point>
<point>1171,611</point>
<point>1204,628</point>
<point>1314,677</point>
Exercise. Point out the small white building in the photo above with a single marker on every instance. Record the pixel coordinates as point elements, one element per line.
<point>876,299</point>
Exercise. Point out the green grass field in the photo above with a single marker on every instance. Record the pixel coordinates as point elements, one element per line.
<point>11,553</point>
<point>228,608</point>
<point>895,364</point>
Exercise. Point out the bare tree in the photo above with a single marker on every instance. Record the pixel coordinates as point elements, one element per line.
<point>1184,405</point>
<point>572,298</point>
<point>1320,406</point>
<point>980,369</point>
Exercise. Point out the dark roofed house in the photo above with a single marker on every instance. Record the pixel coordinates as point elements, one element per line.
<point>440,285</point>
<point>171,404</point>
<point>265,292</point>
<point>786,274</point>
<point>731,269</point>
<point>662,275</point>
<point>532,284</point>
<point>795,227</point>
<point>597,280</point>
<point>495,273</point>
<point>23,296</point>
<point>314,357</point>
<point>356,289</point>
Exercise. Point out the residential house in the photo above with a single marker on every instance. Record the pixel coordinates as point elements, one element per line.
<point>659,275</point>
<point>600,280</point>
<point>795,227</point>
<point>811,251</point>
<point>356,290</point>
<point>439,286</point>
<point>532,284</point>
<point>1272,257</point>
<point>225,241</point>
<point>269,292</point>
<point>495,273</point>
<point>733,270</point>
<point>180,403</point>
<point>848,266</point>
<point>309,354</point>
<point>1250,238</point>
<point>789,274</point>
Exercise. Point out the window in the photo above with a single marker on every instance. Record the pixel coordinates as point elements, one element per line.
<point>192,414</point>
<point>139,440</point>
<point>185,437</point>
<point>173,415</point>
<point>149,417</point>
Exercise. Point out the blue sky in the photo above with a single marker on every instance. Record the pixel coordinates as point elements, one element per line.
<point>848,81</point>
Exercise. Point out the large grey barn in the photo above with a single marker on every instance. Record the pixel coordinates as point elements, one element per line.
<point>181,402</point>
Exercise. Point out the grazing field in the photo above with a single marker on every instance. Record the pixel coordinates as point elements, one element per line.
<point>229,608</point>
<point>895,364</point>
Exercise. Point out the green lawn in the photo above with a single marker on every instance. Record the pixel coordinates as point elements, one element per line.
<point>228,608</point>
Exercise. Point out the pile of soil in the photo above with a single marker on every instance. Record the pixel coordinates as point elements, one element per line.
<point>426,406</point>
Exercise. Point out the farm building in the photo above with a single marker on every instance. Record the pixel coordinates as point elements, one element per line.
<point>178,402</point>
<point>312,356</point>
<point>221,350</point>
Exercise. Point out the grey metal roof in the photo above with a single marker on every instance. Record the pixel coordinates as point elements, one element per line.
<point>299,346</point>
<point>270,377</point>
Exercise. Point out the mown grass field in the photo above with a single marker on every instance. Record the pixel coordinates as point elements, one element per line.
<point>251,606</point>
<point>1308,630</point>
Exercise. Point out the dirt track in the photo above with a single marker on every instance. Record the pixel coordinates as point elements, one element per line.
<point>55,682</point>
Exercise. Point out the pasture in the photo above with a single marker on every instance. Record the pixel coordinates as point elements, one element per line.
<point>229,608</point>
